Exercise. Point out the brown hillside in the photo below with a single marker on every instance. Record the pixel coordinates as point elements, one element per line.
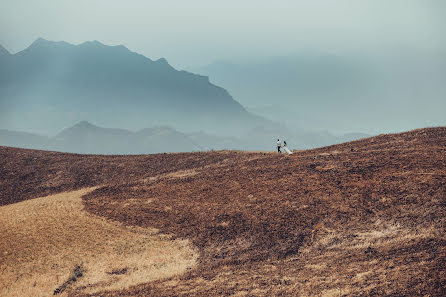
<point>365,218</point>
<point>26,174</point>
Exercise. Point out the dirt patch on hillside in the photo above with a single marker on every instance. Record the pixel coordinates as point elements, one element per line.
<point>45,238</point>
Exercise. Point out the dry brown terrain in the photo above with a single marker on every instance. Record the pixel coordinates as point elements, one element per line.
<point>365,218</point>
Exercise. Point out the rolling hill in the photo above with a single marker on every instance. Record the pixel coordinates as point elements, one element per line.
<point>363,218</point>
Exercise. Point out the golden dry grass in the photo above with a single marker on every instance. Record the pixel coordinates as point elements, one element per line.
<point>45,238</point>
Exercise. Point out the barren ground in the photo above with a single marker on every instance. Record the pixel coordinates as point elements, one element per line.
<point>365,218</point>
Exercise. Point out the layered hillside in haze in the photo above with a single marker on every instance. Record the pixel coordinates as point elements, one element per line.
<point>340,91</point>
<point>364,218</point>
<point>86,138</point>
<point>53,84</point>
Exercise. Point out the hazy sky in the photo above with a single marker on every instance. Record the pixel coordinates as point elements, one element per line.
<point>196,32</point>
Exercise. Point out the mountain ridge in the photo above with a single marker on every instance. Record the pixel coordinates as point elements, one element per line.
<point>112,83</point>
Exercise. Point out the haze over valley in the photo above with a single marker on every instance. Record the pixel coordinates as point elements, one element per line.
<point>291,68</point>
<point>342,93</point>
<point>51,86</point>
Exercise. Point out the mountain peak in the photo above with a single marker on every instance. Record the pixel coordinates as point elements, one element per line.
<point>162,61</point>
<point>40,43</point>
<point>92,43</point>
<point>84,125</point>
<point>96,45</point>
<point>40,40</point>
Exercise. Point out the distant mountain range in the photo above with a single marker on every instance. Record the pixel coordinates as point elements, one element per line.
<point>383,92</point>
<point>86,138</point>
<point>53,84</point>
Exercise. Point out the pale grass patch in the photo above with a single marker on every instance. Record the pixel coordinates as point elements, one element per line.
<point>324,154</point>
<point>335,152</point>
<point>390,234</point>
<point>380,234</point>
<point>223,224</point>
<point>334,292</point>
<point>319,266</point>
<point>172,175</point>
<point>45,238</point>
<point>362,275</point>
<point>258,292</point>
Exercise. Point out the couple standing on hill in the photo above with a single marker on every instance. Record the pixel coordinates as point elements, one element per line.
<point>285,147</point>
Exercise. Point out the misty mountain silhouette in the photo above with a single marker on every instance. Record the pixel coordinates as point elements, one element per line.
<point>87,138</point>
<point>113,86</point>
<point>315,91</point>
<point>23,139</point>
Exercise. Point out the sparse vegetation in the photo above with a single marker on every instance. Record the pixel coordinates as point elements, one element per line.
<point>77,273</point>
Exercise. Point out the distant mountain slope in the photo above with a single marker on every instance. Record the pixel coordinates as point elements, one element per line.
<point>344,92</point>
<point>90,139</point>
<point>23,139</point>
<point>65,83</point>
<point>86,138</point>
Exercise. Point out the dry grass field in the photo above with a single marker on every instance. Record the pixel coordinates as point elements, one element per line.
<point>45,238</point>
<point>365,218</point>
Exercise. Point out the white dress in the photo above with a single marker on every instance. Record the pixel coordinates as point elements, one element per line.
<point>285,148</point>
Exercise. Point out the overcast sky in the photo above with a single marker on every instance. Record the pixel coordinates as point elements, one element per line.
<point>196,32</point>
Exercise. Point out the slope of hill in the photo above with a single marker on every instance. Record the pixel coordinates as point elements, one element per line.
<point>23,139</point>
<point>364,218</point>
<point>57,81</point>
